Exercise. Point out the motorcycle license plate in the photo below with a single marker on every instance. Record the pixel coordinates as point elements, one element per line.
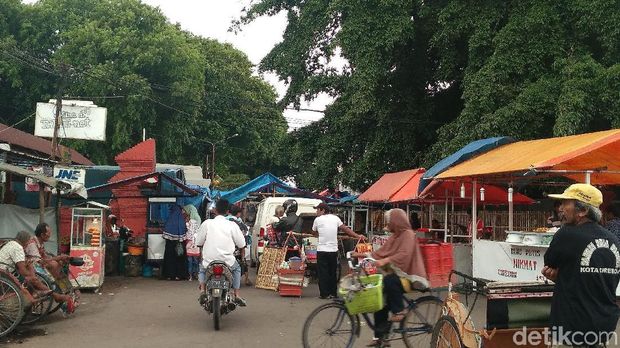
<point>221,284</point>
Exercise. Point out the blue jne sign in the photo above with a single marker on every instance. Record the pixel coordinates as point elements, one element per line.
<point>69,174</point>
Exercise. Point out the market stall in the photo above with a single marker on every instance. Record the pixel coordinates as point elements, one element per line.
<point>590,158</point>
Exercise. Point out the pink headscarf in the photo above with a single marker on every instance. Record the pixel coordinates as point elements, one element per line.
<point>403,249</point>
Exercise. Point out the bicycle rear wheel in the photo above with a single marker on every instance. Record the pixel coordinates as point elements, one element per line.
<point>11,306</point>
<point>417,327</point>
<point>446,334</point>
<point>330,325</point>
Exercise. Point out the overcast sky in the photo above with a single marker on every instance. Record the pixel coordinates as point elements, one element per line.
<point>212,18</point>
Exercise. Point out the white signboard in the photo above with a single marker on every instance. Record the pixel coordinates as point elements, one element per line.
<point>80,120</point>
<point>69,174</point>
<point>500,261</point>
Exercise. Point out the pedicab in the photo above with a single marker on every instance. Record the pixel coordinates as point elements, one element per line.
<point>517,314</point>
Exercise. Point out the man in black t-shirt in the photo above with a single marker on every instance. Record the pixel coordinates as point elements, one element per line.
<point>290,222</point>
<point>584,262</point>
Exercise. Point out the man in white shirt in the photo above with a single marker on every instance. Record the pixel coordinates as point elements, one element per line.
<point>327,226</point>
<point>219,239</point>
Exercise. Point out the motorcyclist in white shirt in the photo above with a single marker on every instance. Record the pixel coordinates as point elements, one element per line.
<point>220,238</point>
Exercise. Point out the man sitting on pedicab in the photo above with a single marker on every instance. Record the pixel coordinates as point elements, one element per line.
<point>13,259</point>
<point>44,262</point>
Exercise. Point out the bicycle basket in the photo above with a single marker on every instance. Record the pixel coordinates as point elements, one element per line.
<point>367,298</point>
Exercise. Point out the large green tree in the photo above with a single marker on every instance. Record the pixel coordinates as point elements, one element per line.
<point>529,69</point>
<point>423,78</point>
<point>184,90</point>
<point>389,103</point>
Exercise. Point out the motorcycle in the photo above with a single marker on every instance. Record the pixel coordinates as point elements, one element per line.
<point>218,298</point>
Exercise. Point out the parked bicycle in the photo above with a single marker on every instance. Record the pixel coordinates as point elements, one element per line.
<point>334,324</point>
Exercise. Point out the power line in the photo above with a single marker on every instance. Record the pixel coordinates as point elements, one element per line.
<point>19,122</point>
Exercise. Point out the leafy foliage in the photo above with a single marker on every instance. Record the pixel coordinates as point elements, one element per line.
<point>423,78</point>
<point>185,90</point>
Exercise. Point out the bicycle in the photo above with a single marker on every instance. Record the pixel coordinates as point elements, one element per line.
<point>342,327</point>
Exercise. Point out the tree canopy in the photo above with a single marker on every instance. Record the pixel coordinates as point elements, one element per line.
<point>422,78</point>
<point>186,91</point>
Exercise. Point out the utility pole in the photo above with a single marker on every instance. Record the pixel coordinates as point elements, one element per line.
<point>58,116</point>
<point>57,122</point>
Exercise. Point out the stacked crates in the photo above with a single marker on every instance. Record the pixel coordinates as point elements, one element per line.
<point>438,261</point>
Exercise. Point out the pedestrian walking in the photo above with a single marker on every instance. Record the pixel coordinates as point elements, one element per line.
<point>584,262</point>
<point>326,226</point>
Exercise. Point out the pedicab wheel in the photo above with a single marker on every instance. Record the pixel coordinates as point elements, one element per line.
<point>217,312</point>
<point>11,306</point>
<point>42,307</point>
<point>417,327</point>
<point>446,334</point>
<point>330,325</point>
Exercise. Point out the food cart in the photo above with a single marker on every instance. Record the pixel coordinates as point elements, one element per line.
<point>87,224</point>
<point>590,158</point>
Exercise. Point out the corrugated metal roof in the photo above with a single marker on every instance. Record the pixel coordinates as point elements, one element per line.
<point>27,141</point>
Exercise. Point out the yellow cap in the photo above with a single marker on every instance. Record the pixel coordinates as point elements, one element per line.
<point>582,192</point>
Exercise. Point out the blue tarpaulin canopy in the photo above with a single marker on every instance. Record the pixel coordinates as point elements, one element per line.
<point>466,152</point>
<point>266,183</point>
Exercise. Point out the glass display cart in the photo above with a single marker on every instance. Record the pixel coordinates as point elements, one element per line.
<point>87,231</point>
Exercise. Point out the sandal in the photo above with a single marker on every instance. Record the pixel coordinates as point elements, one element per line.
<point>398,317</point>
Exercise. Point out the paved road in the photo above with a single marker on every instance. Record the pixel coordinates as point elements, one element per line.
<point>141,312</point>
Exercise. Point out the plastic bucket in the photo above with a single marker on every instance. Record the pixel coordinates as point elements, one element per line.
<point>147,270</point>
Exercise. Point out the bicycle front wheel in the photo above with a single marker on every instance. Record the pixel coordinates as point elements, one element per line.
<point>417,327</point>
<point>330,325</point>
<point>446,334</point>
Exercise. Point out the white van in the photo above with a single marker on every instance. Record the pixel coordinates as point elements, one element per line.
<point>267,209</point>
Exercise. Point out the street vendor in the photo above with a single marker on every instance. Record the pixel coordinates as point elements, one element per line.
<point>584,262</point>
<point>400,258</point>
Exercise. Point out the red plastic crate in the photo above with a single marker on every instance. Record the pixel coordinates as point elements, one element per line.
<point>438,261</point>
<point>290,290</point>
<point>438,280</point>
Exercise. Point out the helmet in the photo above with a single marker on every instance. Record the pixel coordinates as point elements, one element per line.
<point>290,206</point>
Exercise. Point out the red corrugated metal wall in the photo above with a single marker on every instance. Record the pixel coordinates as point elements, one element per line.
<point>130,206</point>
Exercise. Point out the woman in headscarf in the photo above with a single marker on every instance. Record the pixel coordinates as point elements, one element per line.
<point>400,257</point>
<point>192,222</point>
<point>175,259</point>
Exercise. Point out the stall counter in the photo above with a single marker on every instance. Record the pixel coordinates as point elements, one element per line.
<point>503,261</point>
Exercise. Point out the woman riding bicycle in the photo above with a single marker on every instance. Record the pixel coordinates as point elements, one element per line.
<point>400,257</point>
